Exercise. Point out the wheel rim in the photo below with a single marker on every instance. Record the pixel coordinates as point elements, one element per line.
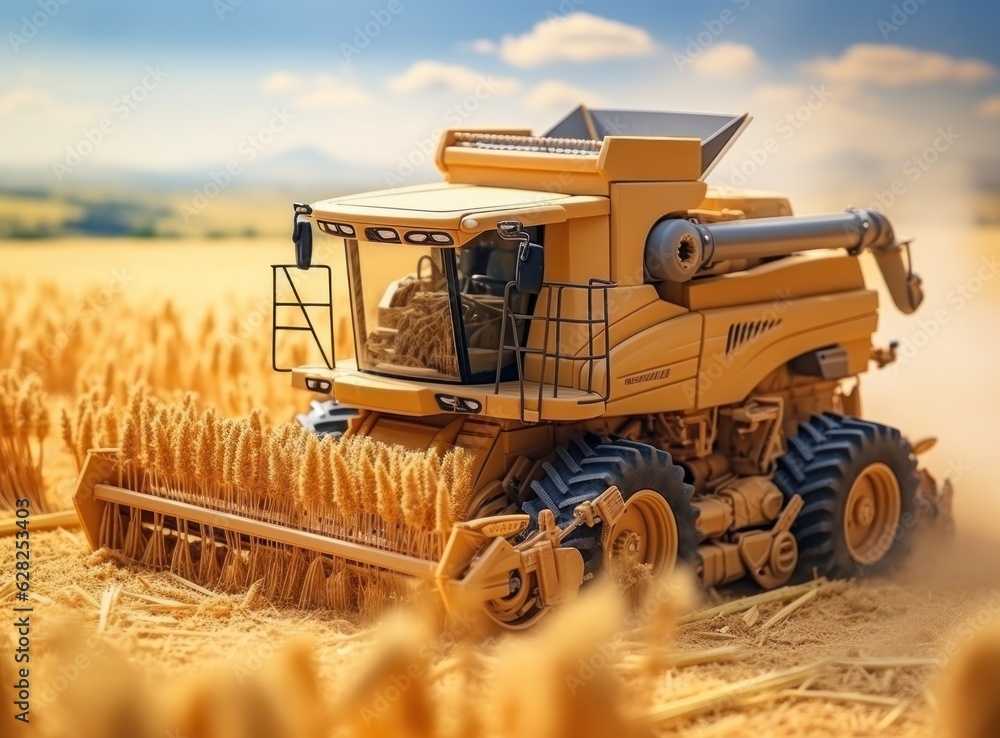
<point>520,609</point>
<point>646,533</point>
<point>872,514</point>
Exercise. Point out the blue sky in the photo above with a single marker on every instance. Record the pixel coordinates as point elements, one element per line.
<point>861,86</point>
<point>791,29</point>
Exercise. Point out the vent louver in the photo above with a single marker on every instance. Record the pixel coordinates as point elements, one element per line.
<point>742,333</point>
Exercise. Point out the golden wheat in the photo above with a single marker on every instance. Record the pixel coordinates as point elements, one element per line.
<point>24,426</point>
<point>74,348</point>
<point>415,676</point>
<point>351,487</point>
<point>133,380</point>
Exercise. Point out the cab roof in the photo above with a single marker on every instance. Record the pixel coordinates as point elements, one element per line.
<point>462,208</point>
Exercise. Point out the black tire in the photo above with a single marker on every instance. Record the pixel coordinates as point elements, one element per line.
<point>588,466</point>
<point>822,464</point>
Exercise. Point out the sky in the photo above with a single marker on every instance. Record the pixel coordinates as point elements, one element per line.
<point>868,98</point>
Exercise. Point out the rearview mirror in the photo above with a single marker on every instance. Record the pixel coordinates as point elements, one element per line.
<point>530,270</point>
<point>302,236</point>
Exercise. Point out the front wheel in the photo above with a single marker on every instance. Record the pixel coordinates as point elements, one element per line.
<point>645,535</point>
<point>658,525</point>
<point>859,483</point>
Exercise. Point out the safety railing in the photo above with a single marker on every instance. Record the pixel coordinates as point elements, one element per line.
<point>303,306</point>
<point>553,322</point>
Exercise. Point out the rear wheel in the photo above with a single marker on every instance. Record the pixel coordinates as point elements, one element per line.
<point>873,509</point>
<point>658,525</point>
<point>859,483</point>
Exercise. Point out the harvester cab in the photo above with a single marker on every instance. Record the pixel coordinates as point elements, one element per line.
<point>448,284</point>
<point>640,369</point>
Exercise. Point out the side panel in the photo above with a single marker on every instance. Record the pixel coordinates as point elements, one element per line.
<point>752,204</point>
<point>495,444</point>
<point>630,311</point>
<point>654,371</point>
<point>567,173</point>
<point>411,433</point>
<point>577,250</point>
<point>798,275</point>
<point>636,309</point>
<point>478,435</point>
<point>635,208</point>
<point>742,345</point>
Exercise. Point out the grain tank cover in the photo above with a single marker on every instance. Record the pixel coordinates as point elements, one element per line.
<point>716,132</point>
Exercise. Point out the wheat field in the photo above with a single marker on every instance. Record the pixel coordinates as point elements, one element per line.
<point>162,352</point>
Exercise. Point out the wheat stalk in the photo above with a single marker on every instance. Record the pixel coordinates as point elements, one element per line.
<point>24,425</point>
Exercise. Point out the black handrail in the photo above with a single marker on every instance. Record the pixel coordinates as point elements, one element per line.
<point>557,355</point>
<point>299,303</point>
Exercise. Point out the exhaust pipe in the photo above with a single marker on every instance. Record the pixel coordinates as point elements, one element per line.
<point>677,249</point>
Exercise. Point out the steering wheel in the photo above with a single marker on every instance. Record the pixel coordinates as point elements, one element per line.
<point>482,281</point>
<point>473,302</point>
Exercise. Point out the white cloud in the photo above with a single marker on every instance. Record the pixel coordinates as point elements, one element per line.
<point>885,65</point>
<point>23,99</point>
<point>37,106</point>
<point>328,91</point>
<point>577,37</point>
<point>481,46</point>
<point>990,107</point>
<point>281,82</point>
<point>727,60</point>
<point>784,94</point>
<point>554,93</point>
<point>428,74</point>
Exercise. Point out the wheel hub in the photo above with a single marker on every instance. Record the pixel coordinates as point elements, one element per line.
<point>872,513</point>
<point>521,607</point>
<point>646,534</point>
<point>864,512</point>
<point>627,544</point>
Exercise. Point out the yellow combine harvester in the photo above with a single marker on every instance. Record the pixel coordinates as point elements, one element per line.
<point>643,370</point>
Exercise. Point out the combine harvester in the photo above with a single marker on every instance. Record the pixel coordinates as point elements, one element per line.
<point>642,369</point>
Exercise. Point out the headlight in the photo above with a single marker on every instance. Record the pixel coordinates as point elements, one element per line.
<point>336,229</point>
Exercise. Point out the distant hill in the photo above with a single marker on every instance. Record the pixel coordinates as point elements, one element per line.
<point>308,167</point>
<point>121,202</point>
<point>302,167</point>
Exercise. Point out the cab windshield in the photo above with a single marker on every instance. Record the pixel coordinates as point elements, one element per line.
<point>434,313</point>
